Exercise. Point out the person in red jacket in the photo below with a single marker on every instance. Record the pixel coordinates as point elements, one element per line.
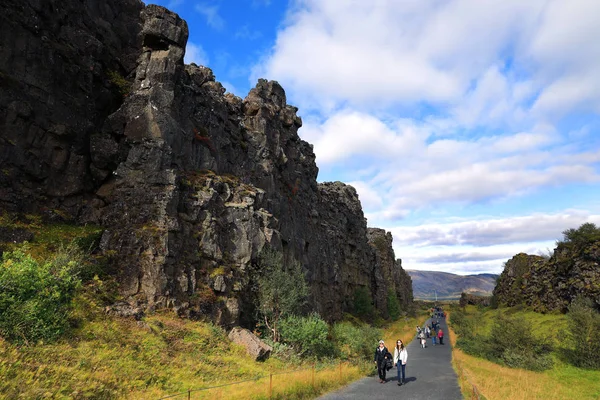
<point>441,335</point>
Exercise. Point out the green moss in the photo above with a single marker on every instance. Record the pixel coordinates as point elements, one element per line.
<point>121,85</point>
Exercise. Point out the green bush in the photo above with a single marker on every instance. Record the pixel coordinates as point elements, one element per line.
<point>511,342</point>
<point>393,305</point>
<point>586,233</point>
<point>307,335</point>
<point>354,342</point>
<point>282,290</point>
<point>462,325</point>
<point>35,299</point>
<point>583,329</point>
<point>362,303</point>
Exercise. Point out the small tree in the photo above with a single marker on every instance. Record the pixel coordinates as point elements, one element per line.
<point>586,233</point>
<point>282,290</point>
<point>393,305</point>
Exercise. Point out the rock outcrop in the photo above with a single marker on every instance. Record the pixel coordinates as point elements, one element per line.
<point>190,183</point>
<point>388,276</point>
<point>553,283</point>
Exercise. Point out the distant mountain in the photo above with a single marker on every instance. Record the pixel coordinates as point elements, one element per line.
<point>450,286</point>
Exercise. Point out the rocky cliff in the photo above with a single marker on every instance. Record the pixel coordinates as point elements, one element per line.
<point>548,284</point>
<point>101,122</point>
<point>389,276</point>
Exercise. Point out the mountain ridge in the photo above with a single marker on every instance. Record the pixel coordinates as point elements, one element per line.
<point>448,286</point>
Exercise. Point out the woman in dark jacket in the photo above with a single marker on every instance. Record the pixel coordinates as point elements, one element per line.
<point>381,354</point>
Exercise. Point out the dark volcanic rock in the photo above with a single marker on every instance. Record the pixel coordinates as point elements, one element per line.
<point>551,284</point>
<point>58,63</point>
<point>388,273</point>
<point>190,183</point>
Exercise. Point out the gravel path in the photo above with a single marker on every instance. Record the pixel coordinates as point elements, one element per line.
<point>429,376</point>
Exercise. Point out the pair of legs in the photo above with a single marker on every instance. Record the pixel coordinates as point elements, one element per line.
<point>401,372</point>
<point>433,340</point>
<point>381,370</point>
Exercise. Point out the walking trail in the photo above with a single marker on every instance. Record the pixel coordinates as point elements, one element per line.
<point>429,376</point>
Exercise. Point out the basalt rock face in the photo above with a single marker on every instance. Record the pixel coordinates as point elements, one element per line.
<point>388,275</point>
<point>59,65</point>
<point>192,183</point>
<point>551,284</point>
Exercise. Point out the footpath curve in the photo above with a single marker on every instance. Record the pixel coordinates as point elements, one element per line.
<point>429,376</point>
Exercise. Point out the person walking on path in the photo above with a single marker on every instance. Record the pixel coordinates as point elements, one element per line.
<point>427,331</point>
<point>400,357</point>
<point>441,335</point>
<point>433,336</point>
<point>422,339</point>
<point>381,353</point>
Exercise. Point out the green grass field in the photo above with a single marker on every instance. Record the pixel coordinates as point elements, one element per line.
<point>562,381</point>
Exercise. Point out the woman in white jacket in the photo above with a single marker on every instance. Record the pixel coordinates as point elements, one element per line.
<point>400,357</point>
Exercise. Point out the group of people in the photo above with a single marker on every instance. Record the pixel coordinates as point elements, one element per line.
<point>432,331</point>
<point>385,360</point>
<point>382,355</point>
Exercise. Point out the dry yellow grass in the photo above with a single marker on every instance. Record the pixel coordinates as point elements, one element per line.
<point>306,383</point>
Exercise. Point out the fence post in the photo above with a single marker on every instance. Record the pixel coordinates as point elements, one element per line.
<point>340,371</point>
<point>271,386</point>
<point>313,375</point>
<point>189,394</point>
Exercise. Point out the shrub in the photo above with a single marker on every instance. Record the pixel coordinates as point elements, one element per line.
<point>586,233</point>
<point>584,326</point>
<point>307,335</point>
<point>511,342</point>
<point>282,290</point>
<point>35,298</point>
<point>393,305</point>
<point>355,342</point>
<point>363,305</point>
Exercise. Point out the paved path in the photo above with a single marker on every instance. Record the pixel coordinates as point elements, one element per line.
<point>429,376</point>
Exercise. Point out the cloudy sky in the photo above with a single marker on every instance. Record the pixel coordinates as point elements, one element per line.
<point>470,128</point>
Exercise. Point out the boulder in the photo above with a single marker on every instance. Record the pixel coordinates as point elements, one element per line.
<point>254,346</point>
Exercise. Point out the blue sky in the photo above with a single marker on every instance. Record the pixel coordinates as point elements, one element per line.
<point>470,128</point>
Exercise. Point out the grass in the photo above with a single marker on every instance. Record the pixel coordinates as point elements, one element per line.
<point>494,381</point>
<point>106,357</point>
<point>112,358</point>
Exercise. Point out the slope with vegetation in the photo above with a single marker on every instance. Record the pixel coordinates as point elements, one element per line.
<point>552,283</point>
<point>516,353</point>
<point>58,341</point>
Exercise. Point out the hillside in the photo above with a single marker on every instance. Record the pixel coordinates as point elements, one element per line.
<point>450,286</point>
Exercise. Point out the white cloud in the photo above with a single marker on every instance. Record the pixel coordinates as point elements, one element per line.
<point>487,60</point>
<point>194,53</point>
<point>482,245</point>
<point>411,167</point>
<point>211,13</point>
<point>490,232</point>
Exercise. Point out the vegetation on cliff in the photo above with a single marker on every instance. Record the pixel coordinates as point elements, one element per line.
<point>84,352</point>
<point>552,283</point>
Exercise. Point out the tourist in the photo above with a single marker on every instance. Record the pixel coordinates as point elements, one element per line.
<point>381,354</point>
<point>422,338</point>
<point>400,357</point>
<point>427,331</point>
<point>433,337</point>
<point>441,336</point>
